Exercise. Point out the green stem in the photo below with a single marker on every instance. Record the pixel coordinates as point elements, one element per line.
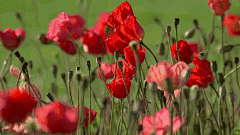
<point>149,51</point>
<point>90,100</point>
<point>179,59</point>
<point>222,30</point>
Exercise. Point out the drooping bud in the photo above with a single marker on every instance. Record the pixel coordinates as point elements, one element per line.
<point>189,33</point>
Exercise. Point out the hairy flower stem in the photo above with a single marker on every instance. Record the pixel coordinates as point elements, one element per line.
<point>119,127</point>
<point>168,31</point>
<point>149,51</point>
<point>90,96</point>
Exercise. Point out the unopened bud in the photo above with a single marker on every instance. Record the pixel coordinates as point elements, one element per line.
<point>226,48</point>
<point>214,66</point>
<point>17,54</point>
<point>221,78</point>
<point>168,30</point>
<point>236,60</point>
<point>78,70</point>
<point>54,71</point>
<point>49,95</point>
<point>176,21</point>
<point>89,65</point>
<point>79,78</point>
<point>189,33</point>
<point>24,66</point>
<point>85,83</point>
<point>195,23</point>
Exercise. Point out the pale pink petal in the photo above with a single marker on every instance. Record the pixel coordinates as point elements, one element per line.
<point>176,74</point>
<point>16,72</point>
<point>163,119</point>
<point>147,124</point>
<point>177,123</point>
<point>166,94</point>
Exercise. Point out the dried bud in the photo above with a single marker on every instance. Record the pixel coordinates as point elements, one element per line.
<point>54,71</point>
<point>176,21</point>
<point>49,95</point>
<point>236,60</point>
<point>168,30</point>
<point>214,66</point>
<point>189,33</point>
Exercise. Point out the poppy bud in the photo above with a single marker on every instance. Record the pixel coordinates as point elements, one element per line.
<point>54,71</point>
<point>185,74</point>
<point>22,60</point>
<point>226,48</point>
<point>17,54</point>
<point>176,21</point>
<point>189,33</point>
<point>89,65</point>
<point>194,94</point>
<point>236,60</point>
<point>99,61</point>
<point>221,78</point>
<point>70,75</point>
<point>49,95</point>
<point>214,66</point>
<point>63,75</point>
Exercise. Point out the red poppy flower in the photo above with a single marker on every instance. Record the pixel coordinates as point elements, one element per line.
<point>60,29</point>
<point>68,47</point>
<point>57,117</point>
<point>15,105</point>
<point>161,122</point>
<point>93,38</point>
<point>77,25</point>
<point>128,70</point>
<point>185,51</point>
<point>232,22</point>
<point>218,7</point>
<point>130,55</point>
<point>126,28</point>
<point>117,87</point>
<point>163,70</point>
<point>11,39</point>
<point>86,115</point>
<point>201,74</point>
<point>195,48</point>
<point>106,70</point>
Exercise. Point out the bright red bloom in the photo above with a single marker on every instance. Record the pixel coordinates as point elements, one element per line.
<point>195,48</point>
<point>106,70</point>
<point>128,70</point>
<point>77,25</point>
<point>126,27</point>
<point>185,51</point>
<point>93,38</point>
<point>201,74</point>
<point>15,105</point>
<point>86,115</point>
<point>162,123</point>
<point>68,47</point>
<point>232,22</point>
<point>11,39</point>
<point>117,87</point>
<point>60,29</point>
<point>130,55</point>
<point>219,7</point>
<point>163,70</point>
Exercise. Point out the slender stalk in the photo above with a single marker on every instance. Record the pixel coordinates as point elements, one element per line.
<point>169,42</point>
<point>90,96</point>
<point>149,51</point>
<point>222,45</point>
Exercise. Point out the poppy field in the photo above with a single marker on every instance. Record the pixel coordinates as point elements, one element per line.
<point>119,67</point>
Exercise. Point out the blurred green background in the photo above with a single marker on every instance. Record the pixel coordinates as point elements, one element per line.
<point>38,13</point>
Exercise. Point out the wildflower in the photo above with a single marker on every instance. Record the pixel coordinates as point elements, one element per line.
<point>161,122</point>
<point>126,28</point>
<point>117,87</point>
<point>219,7</point>
<point>11,39</point>
<point>130,55</point>
<point>195,48</point>
<point>185,51</point>
<point>77,25</point>
<point>106,70</point>
<point>68,47</point>
<point>15,105</point>
<point>158,73</point>
<point>232,23</point>
<point>201,74</point>
<point>128,70</point>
